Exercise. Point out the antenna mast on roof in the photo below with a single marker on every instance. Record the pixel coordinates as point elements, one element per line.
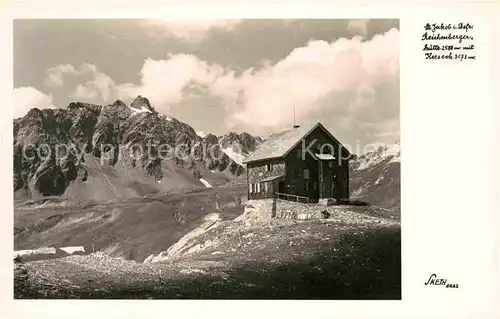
<point>294,125</point>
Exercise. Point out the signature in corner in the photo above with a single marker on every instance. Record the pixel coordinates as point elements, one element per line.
<point>434,281</point>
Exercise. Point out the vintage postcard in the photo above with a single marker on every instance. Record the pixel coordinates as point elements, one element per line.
<point>218,152</point>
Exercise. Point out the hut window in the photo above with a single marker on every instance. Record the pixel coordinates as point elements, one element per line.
<point>251,188</point>
<point>266,187</point>
<point>269,167</point>
<point>306,186</point>
<point>306,173</point>
<point>330,164</point>
<point>258,187</point>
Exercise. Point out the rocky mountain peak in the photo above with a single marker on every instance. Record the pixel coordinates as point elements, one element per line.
<point>211,139</point>
<point>119,104</point>
<point>229,138</point>
<point>249,142</point>
<point>82,105</point>
<point>142,104</point>
<point>34,113</point>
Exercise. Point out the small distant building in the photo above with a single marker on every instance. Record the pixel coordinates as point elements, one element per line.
<point>304,164</point>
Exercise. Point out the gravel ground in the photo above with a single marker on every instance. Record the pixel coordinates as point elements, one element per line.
<point>349,256</point>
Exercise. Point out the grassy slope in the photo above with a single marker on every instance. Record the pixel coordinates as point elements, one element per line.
<point>133,228</point>
<point>313,259</point>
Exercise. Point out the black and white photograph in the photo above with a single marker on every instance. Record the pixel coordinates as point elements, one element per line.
<point>206,159</point>
<point>246,160</point>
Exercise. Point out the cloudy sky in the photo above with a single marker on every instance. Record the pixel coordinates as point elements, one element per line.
<point>220,75</point>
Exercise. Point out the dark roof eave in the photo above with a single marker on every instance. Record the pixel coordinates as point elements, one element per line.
<point>262,159</point>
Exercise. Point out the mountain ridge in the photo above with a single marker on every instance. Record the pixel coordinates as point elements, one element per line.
<point>375,176</point>
<point>53,147</point>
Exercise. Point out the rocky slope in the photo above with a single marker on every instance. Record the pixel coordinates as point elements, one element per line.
<point>116,149</point>
<point>350,255</point>
<point>375,177</point>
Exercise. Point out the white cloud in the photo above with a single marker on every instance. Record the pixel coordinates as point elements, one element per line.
<point>98,88</point>
<point>351,84</point>
<point>315,78</point>
<point>165,81</point>
<point>27,97</point>
<point>55,75</point>
<point>190,30</point>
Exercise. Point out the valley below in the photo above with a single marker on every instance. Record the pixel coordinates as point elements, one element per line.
<point>207,244</point>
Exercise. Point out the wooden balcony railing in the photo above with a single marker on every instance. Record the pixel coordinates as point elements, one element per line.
<point>296,198</point>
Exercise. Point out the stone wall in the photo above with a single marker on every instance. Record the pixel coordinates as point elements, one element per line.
<point>293,210</point>
<point>282,209</point>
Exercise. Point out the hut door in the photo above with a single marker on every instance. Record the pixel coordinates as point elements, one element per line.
<point>327,180</point>
<point>281,187</point>
<point>332,187</point>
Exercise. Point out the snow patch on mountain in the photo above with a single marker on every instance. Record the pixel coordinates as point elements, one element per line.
<point>391,152</point>
<point>236,156</point>
<point>204,182</point>
<point>143,109</point>
<point>201,134</point>
<point>166,117</point>
<point>238,146</point>
<point>359,191</point>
